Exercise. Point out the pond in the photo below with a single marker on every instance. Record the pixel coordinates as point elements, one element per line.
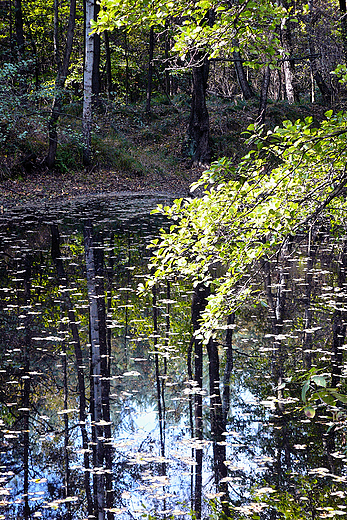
<point>109,408</point>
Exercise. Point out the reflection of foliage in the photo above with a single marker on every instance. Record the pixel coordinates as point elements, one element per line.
<point>307,498</point>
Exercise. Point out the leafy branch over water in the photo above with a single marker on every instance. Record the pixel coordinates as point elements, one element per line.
<point>292,179</point>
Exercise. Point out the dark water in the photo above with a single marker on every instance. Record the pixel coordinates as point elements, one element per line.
<point>98,405</point>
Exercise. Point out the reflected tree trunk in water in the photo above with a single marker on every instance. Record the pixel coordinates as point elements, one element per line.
<point>218,424</point>
<point>95,373</point>
<point>229,365</point>
<point>105,372</point>
<point>157,372</point>
<point>160,385</point>
<point>338,340</point>
<point>218,412</point>
<point>66,434</point>
<point>198,305</point>
<point>339,318</point>
<point>26,384</point>
<point>56,256</point>
<point>126,332</point>
<point>110,274</point>
<point>276,303</point>
<point>102,476</point>
<point>308,338</point>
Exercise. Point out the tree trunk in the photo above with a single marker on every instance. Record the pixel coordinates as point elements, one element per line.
<point>288,62</point>
<point>150,71</point>
<point>343,10</point>
<point>18,21</point>
<point>199,125</point>
<point>241,76</point>
<point>59,86</point>
<point>315,72</point>
<point>339,319</point>
<point>96,82</point>
<point>56,35</point>
<point>167,54</point>
<point>263,95</point>
<point>108,65</point>
<point>126,51</point>
<point>88,84</point>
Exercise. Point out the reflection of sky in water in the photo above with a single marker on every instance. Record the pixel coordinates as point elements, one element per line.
<point>147,479</point>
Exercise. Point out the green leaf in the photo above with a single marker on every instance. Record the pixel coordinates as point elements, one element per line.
<point>340,397</point>
<point>319,380</point>
<point>326,398</point>
<point>304,390</point>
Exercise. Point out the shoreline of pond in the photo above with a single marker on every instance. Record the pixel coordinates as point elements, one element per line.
<point>54,188</point>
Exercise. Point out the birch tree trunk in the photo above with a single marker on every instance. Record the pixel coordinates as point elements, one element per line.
<point>288,63</point>
<point>88,83</point>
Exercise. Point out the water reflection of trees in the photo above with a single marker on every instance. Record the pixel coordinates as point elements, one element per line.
<point>74,407</point>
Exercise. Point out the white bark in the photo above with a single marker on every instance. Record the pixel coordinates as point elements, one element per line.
<point>87,83</point>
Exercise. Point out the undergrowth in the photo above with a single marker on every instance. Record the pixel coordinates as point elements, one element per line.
<point>125,140</point>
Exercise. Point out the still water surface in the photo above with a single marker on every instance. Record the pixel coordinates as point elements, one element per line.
<point>97,395</point>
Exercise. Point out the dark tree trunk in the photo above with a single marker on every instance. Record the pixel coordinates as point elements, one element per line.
<point>150,71</point>
<point>343,10</point>
<point>105,372</point>
<point>59,86</point>
<point>263,95</point>
<point>315,72</point>
<point>157,373</point>
<point>307,338</point>
<point>18,21</point>
<point>126,51</point>
<point>199,125</point>
<point>339,320</point>
<point>241,76</point>
<point>11,29</point>
<point>108,65</point>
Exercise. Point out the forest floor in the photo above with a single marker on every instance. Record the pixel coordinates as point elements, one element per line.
<point>53,187</point>
<point>130,152</point>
